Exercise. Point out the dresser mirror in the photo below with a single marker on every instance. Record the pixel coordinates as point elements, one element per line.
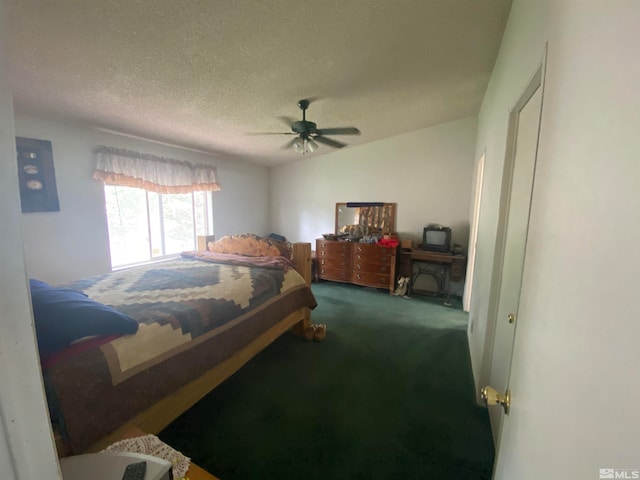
<point>364,219</point>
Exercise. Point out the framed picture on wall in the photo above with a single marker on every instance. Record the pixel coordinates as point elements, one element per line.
<point>38,192</point>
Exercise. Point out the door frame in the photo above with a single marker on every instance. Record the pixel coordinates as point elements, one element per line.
<point>535,81</point>
<point>473,234</point>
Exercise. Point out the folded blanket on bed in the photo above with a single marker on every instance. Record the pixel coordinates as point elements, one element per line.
<point>278,262</point>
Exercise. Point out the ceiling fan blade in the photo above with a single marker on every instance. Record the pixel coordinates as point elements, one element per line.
<point>289,144</point>
<point>329,141</point>
<point>338,131</point>
<point>271,133</point>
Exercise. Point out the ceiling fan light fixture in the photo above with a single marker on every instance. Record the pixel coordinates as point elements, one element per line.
<point>299,146</point>
<point>304,145</point>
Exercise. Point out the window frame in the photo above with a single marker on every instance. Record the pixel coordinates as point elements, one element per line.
<point>208,225</point>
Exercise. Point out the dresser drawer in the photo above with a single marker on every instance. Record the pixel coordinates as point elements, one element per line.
<point>329,254</point>
<point>367,267</point>
<point>335,261</point>
<point>378,258</point>
<point>335,274</point>
<point>333,246</point>
<point>364,248</point>
<point>371,279</point>
<point>374,254</point>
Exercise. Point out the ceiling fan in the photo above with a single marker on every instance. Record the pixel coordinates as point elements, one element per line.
<point>308,135</point>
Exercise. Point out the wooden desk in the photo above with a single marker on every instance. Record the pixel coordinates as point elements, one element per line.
<point>194,472</point>
<point>444,268</point>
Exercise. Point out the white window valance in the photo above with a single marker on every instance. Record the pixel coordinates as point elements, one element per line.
<point>116,166</point>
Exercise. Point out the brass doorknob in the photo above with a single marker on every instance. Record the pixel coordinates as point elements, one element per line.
<point>491,396</point>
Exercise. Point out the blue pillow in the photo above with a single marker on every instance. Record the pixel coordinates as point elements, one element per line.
<point>63,316</point>
<point>33,283</point>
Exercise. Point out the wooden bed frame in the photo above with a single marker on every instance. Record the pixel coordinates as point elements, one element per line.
<point>161,414</point>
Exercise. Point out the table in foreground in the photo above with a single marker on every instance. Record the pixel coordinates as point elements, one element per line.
<point>194,472</point>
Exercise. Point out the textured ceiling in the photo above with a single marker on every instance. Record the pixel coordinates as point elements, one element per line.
<point>207,73</point>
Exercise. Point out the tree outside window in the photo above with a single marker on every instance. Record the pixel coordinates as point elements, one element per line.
<point>146,225</point>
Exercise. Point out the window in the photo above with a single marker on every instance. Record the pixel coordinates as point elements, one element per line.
<point>145,225</point>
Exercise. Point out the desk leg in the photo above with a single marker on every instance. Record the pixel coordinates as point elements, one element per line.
<point>447,281</point>
<point>447,301</point>
<point>439,272</point>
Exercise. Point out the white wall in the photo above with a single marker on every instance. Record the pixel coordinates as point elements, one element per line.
<point>74,242</point>
<point>576,365</point>
<point>26,443</point>
<point>428,173</point>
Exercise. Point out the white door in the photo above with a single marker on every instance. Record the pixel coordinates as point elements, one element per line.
<point>512,237</point>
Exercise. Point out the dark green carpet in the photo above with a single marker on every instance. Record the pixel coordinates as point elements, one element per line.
<point>388,395</point>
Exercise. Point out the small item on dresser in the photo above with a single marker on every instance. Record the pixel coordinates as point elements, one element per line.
<point>389,242</point>
<point>370,239</point>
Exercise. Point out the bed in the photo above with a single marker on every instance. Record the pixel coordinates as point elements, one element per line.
<point>199,318</point>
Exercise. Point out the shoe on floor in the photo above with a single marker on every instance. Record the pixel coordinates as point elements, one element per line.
<point>309,332</point>
<point>320,332</point>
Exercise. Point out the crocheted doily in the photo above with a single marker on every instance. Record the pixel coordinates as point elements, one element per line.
<point>152,445</point>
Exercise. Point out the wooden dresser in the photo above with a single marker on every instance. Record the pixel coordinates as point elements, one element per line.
<point>364,264</point>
